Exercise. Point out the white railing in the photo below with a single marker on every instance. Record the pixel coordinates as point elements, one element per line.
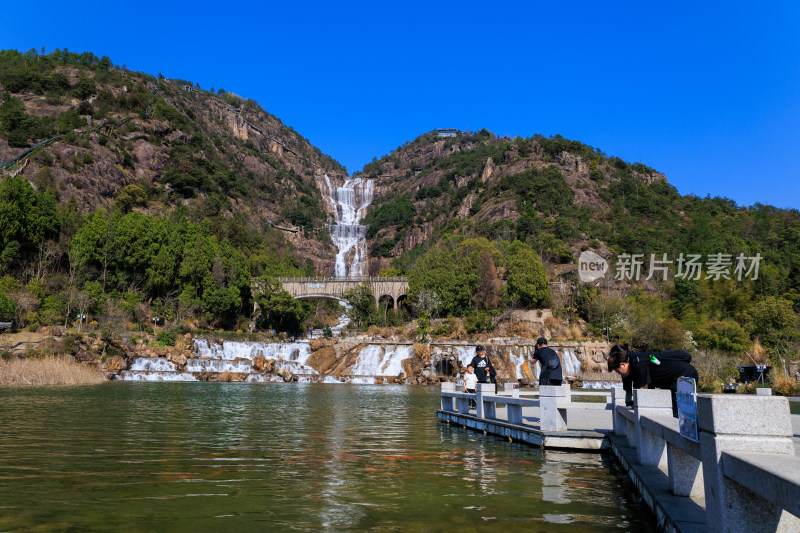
<point>554,403</point>
<point>744,464</point>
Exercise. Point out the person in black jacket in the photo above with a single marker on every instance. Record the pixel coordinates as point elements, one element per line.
<point>483,366</point>
<point>650,370</point>
<point>550,373</point>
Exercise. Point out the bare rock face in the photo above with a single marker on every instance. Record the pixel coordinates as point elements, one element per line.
<point>416,236</point>
<point>650,178</point>
<point>323,359</point>
<point>116,363</point>
<point>487,170</point>
<point>466,205</point>
<point>259,362</point>
<point>570,162</point>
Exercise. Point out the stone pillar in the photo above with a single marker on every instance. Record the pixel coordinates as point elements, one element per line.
<point>618,398</point>
<point>484,409</point>
<point>734,422</point>
<point>685,473</point>
<point>447,402</point>
<point>511,389</point>
<point>651,449</point>
<point>463,405</point>
<point>553,401</point>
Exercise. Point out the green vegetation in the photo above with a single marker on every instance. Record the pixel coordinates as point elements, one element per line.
<point>395,211</point>
<point>461,276</point>
<point>629,211</point>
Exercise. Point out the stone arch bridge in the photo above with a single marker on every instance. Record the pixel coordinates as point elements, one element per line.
<point>390,290</point>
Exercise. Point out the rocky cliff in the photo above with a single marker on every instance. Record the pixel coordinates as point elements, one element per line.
<point>496,187</point>
<point>130,140</point>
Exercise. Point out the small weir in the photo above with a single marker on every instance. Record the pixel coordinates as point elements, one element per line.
<point>357,361</point>
<point>260,362</point>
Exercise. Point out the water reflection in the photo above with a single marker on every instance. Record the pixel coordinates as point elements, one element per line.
<point>308,457</point>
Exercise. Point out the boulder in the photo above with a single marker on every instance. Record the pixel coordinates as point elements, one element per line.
<point>285,374</point>
<point>116,363</point>
<point>86,356</point>
<point>323,359</point>
<point>259,362</point>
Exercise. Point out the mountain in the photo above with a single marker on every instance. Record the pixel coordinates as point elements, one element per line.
<point>447,198</point>
<point>128,196</point>
<point>553,192</point>
<point>149,144</point>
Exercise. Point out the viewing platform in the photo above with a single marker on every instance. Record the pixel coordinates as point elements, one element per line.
<point>538,418</point>
<point>741,474</point>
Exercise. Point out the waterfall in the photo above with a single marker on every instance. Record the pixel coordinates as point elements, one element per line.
<point>349,203</point>
<point>377,360</point>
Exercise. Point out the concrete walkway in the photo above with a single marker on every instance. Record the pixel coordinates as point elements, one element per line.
<point>796,431</point>
<point>601,421</point>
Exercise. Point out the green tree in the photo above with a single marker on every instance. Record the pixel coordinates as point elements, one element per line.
<point>279,310</point>
<point>7,308</point>
<point>527,280</point>
<point>774,320</point>
<point>363,311</point>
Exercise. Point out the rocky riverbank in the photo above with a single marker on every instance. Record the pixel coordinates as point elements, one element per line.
<point>362,358</point>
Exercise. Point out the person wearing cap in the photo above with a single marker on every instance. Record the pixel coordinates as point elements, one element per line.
<point>650,370</point>
<point>550,373</point>
<point>483,366</point>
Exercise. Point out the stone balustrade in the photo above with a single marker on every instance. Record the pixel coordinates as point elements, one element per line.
<point>744,465</point>
<point>554,403</point>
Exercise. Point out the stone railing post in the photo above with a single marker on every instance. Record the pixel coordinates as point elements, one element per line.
<point>651,449</point>
<point>685,472</point>
<point>734,422</point>
<point>484,409</point>
<point>511,389</point>
<point>463,405</point>
<point>553,400</point>
<point>447,402</point>
<point>617,399</point>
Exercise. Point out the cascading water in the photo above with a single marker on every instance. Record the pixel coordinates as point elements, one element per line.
<point>349,203</point>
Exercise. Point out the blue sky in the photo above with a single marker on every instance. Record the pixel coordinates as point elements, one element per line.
<point>706,92</point>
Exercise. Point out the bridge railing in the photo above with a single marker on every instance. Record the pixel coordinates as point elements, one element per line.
<point>554,403</point>
<point>744,463</point>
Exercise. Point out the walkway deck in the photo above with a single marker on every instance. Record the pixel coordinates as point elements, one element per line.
<point>590,427</point>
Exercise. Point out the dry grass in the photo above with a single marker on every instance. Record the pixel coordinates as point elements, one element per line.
<point>575,331</point>
<point>422,351</point>
<point>47,371</point>
<point>558,328</point>
<point>758,353</point>
<point>785,385</point>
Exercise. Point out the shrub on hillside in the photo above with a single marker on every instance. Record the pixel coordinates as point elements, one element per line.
<point>167,338</point>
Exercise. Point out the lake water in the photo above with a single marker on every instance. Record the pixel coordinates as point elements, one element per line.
<point>285,457</point>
